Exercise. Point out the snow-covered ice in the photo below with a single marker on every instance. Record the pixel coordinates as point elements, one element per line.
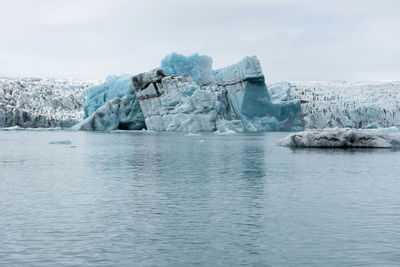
<point>344,138</point>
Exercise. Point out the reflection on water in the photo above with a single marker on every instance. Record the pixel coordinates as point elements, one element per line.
<point>151,199</point>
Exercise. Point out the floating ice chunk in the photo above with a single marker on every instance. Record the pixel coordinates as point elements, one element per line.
<point>64,142</point>
<point>198,67</point>
<point>193,134</point>
<point>227,132</point>
<point>229,126</point>
<point>343,138</point>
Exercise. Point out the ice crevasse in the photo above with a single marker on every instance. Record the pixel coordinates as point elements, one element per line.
<point>186,94</point>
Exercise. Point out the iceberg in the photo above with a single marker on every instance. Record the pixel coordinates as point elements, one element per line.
<point>63,142</point>
<point>344,138</point>
<point>185,94</point>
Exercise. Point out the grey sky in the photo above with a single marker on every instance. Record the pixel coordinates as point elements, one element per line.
<point>294,40</point>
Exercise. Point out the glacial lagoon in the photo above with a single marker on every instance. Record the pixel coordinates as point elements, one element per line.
<point>140,198</point>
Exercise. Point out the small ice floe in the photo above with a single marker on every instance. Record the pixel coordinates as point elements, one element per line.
<point>226,132</point>
<point>344,138</point>
<point>193,134</point>
<point>64,142</point>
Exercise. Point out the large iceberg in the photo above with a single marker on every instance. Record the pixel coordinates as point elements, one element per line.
<point>185,94</point>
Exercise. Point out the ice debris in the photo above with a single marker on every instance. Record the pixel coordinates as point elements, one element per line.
<point>63,142</point>
<point>344,138</point>
<point>185,94</point>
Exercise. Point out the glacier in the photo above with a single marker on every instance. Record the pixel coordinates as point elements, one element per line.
<point>358,105</point>
<point>186,94</point>
<point>45,103</point>
<point>345,138</point>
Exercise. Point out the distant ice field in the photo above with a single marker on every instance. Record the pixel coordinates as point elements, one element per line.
<point>348,104</point>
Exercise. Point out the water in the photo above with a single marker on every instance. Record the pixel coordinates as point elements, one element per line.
<point>147,199</point>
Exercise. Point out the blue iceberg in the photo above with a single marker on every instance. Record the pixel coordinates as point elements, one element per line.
<point>98,95</point>
<point>112,105</point>
<point>185,94</point>
<point>198,67</point>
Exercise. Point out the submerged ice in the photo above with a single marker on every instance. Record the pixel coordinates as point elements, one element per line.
<point>185,94</point>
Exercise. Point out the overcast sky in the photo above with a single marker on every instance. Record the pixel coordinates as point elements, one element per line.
<point>294,40</point>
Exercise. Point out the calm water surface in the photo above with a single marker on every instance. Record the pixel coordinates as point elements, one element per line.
<point>148,199</point>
